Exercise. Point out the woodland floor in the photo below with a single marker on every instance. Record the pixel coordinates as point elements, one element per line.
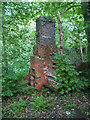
<point>69,106</point>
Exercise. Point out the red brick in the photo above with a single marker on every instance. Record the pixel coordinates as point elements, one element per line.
<point>41,66</point>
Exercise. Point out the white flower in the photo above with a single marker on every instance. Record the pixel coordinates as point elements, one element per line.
<point>68,113</point>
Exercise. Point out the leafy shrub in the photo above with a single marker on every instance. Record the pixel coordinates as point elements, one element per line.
<point>13,82</point>
<point>12,79</point>
<point>10,87</point>
<point>27,89</point>
<point>67,75</point>
<point>41,103</point>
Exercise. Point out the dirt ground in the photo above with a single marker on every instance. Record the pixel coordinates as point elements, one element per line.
<point>69,106</point>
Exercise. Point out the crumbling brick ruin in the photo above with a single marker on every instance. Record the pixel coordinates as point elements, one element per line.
<point>42,63</point>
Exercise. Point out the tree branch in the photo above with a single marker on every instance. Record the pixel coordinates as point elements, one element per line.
<point>60,32</point>
<point>70,8</point>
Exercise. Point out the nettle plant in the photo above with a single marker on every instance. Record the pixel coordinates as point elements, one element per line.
<point>67,75</point>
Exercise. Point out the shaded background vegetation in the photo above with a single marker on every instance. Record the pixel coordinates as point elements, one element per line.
<point>19,37</point>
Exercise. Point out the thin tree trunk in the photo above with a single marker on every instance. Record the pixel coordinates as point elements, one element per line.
<point>81,52</point>
<point>61,32</point>
<point>86,49</point>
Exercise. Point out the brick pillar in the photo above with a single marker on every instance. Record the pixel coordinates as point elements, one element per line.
<point>42,65</point>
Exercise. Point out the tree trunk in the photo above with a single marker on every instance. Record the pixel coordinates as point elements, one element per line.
<point>86,49</point>
<point>61,32</point>
<point>86,14</point>
<point>81,52</point>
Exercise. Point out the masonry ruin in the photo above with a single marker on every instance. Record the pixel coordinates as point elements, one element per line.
<point>42,63</point>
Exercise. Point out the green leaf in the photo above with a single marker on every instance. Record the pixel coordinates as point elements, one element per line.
<point>69,89</point>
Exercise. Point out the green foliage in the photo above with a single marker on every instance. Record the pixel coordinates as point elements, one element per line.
<point>12,82</point>
<point>4,112</point>
<point>19,37</point>
<point>16,109</point>
<point>27,89</point>
<point>16,83</point>
<point>83,83</point>
<point>70,106</point>
<point>67,75</point>
<point>10,87</point>
<point>74,57</point>
<point>18,106</point>
<point>41,103</point>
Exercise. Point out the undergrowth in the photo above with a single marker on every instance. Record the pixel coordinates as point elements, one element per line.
<point>67,76</point>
